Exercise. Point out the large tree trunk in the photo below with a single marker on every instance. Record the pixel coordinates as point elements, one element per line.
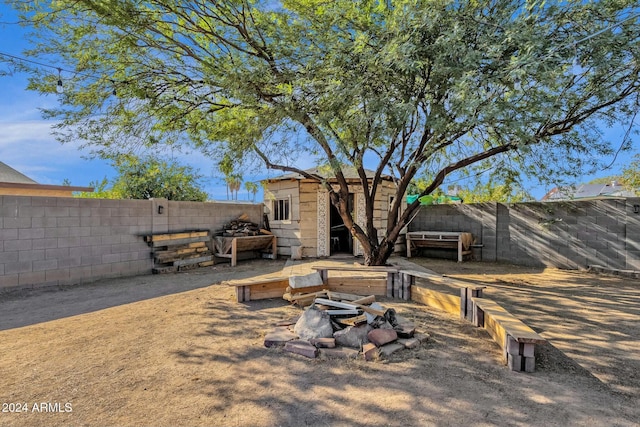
<point>378,253</point>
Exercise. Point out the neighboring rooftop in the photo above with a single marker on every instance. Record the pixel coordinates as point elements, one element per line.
<point>14,183</point>
<point>588,191</point>
<point>9,174</point>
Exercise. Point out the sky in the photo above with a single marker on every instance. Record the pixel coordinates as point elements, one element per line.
<point>26,142</point>
<point>27,145</point>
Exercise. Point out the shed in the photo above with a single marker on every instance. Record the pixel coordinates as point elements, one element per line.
<point>301,215</point>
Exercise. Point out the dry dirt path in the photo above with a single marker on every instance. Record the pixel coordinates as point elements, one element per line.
<point>178,351</point>
<point>593,319</point>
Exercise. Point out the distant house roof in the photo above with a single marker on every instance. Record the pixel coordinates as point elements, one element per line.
<point>16,183</point>
<point>350,173</point>
<point>588,191</point>
<point>9,174</point>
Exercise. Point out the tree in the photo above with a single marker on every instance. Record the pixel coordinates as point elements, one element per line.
<point>423,88</point>
<point>234,181</point>
<point>252,189</point>
<point>503,185</point>
<point>495,192</point>
<point>100,191</point>
<point>631,175</point>
<point>147,178</point>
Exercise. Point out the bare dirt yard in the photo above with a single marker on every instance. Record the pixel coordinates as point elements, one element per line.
<point>177,350</point>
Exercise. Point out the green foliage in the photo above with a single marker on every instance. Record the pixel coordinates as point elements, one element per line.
<point>605,179</point>
<point>148,178</point>
<point>631,175</point>
<point>495,192</point>
<point>423,88</point>
<point>252,189</point>
<point>100,191</point>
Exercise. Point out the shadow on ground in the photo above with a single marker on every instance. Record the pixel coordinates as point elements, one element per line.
<point>30,306</point>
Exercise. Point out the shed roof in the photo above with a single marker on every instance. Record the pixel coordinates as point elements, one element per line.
<point>350,173</point>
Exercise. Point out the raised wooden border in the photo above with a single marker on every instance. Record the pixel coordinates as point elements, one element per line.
<point>516,339</point>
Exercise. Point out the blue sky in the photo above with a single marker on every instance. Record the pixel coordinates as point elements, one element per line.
<point>27,145</point>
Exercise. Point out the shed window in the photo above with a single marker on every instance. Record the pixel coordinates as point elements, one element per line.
<point>281,210</point>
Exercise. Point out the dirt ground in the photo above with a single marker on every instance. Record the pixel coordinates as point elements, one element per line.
<point>177,350</point>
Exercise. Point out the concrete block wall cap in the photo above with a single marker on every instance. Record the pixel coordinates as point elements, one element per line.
<point>305,281</point>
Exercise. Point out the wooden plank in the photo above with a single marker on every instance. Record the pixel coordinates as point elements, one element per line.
<point>265,294</point>
<point>189,261</point>
<point>234,252</point>
<point>352,321</point>
<point>257,280</point>
<point>345,297</point>
<point>163,270</point>
<point>264,286</point>
<point>435,299</point>
<point>370,310</point>
<point>182,249</point>
<point>342,312</point>
<point>347,306</point>
<point>184,241</point>
<point>180,235</point>
<point>357,286</point>
<point>253,243</point>
<point>308,296</point>
<point>357,289</point>
<point>316,291</point>
<point>338,304</point>
<point>239,293</point>
<point>173,236</point>
<point>436,278</point>
<point>170,256</point>
<point>362,269</point>
<point>365,300</point>
<point>360,282</point>
<point>407,281</point>
<point>274,247</point>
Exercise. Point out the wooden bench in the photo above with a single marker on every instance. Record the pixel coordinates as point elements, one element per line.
<point>516,339</point>
<point>229,247</point>
<point>457,240</point>
<point>394,285</point>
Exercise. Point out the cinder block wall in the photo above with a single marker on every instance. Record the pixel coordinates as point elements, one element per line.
<point>559,234</point>
<point>56,240</point>
<point>478,219</point>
